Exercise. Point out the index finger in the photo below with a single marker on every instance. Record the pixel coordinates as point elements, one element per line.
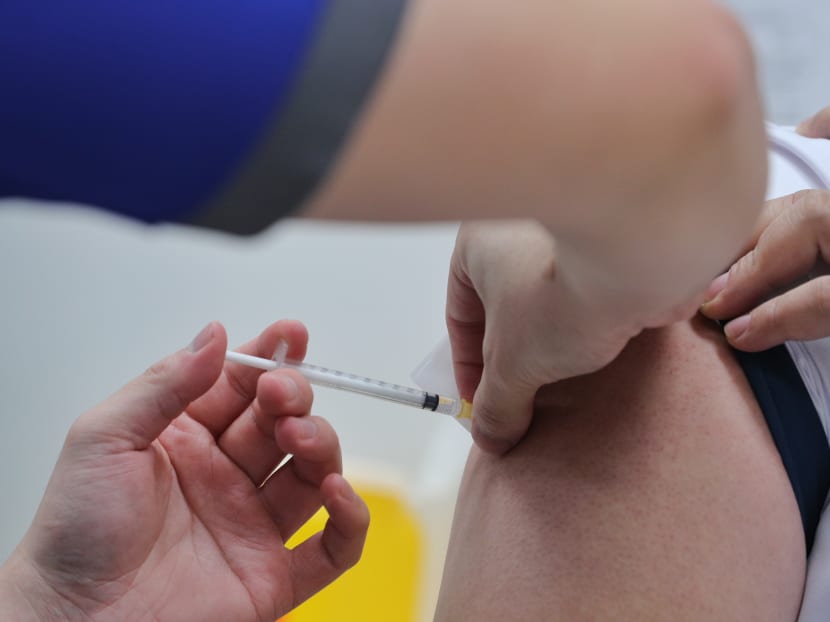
<point>787,251</point>
<point>235,389</point>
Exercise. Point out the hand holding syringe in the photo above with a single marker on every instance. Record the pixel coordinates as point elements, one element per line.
<point>457,408</point>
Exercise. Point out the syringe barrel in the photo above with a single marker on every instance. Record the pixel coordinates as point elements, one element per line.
<point>359,384</point>
<point>326,377</point>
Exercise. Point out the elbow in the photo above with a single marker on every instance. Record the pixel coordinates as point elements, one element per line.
<point>722,62</point>
<point>714,175</point>
<point>710,74</point>
<point>723,65</point>
<point>702,155</point>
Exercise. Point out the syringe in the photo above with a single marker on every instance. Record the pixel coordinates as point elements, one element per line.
<point>454,407</point>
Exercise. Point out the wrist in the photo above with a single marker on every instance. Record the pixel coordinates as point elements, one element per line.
<point>25,596</point>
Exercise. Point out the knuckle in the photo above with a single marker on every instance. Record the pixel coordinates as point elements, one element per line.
<point>157,372</point>
<point>767,318</point>
<point>165,396</point>
<point>743,268</point>
<point>238,386</point>
<point>751,270</point>
<point>79,431</point>
<point>799,196</point>
<point>810,206</point>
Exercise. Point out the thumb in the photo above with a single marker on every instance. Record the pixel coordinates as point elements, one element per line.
<point>501,416</point>
<point>140,411</point>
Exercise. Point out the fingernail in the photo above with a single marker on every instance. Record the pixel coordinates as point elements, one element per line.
<point>288,386</point>
<point>307,428</point>
<point>736,328</point>
<point>715,288</point>
<point>280,352</point>
<point>202,339</point>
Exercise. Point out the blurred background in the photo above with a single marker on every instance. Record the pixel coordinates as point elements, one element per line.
<point>90,300</point>
<point>793,51</point>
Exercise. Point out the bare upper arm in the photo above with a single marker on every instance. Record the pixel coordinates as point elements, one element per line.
<point>649,491</point>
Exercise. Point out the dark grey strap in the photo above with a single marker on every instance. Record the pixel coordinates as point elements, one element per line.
<point>301,144</point>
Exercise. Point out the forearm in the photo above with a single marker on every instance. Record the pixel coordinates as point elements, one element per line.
<point>630,137</point>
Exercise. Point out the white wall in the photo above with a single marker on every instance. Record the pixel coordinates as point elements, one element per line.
<point>793,53</point>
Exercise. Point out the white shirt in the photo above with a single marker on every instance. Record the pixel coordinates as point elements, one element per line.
<point>797,163</point>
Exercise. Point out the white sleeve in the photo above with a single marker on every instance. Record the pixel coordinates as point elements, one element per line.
<point>797,163</point>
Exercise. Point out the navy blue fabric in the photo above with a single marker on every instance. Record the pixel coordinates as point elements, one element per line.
<point>796,428</point>
<point>144,108</point>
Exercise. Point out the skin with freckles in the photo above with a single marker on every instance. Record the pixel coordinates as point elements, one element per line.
<point>650,490</point>
<point>159,506</point>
